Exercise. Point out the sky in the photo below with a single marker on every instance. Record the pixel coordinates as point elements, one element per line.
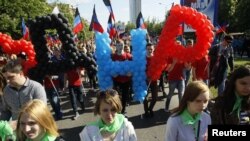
<point>150,9</point>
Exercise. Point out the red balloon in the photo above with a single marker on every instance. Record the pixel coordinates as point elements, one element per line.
<point>167,47</point>
<point>10,46</point>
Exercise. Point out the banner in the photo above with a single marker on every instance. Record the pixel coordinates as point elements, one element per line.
<point>208,7</point>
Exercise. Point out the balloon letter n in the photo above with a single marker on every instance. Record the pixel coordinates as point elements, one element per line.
<point>107,68</point>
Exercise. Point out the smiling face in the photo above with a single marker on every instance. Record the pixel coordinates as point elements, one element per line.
<point>30,128</point>
<point>107,112</point>
<point>242,86</point>
<point>199,103</point>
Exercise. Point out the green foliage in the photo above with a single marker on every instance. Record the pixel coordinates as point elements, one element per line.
<point>237,62</point>
<point>154,27</point>
<point>129,27</point>
<point>85,35</point>
<point>242,16</point>
<point>12,11</point>
<point>236,13</point>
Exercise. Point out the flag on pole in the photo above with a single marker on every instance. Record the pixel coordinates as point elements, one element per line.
<point>108,5</point>
<point>95,23</point>
<point>111,27</point>
<point>78,25</point>
<point>221,28</point>
<point>25,30</point>
<point>140,22</point>
<point>55,10</point>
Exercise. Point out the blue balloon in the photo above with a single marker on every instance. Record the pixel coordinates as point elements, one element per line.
<point>137,67</point>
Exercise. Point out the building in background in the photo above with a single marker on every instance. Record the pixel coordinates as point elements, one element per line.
<point>134,10</point>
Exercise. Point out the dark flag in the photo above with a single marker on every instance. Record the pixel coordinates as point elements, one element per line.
<point>111,27</point>
<point>108,5</point>
<point>140,22</point>
<point>95,23</point>
<point>78,25</point>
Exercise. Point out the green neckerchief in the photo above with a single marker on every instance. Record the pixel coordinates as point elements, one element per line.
<point>113,127</point>
<point>5,130</point>
<point>189,120</point>
<point>237,104</point>
<point>46,137</point>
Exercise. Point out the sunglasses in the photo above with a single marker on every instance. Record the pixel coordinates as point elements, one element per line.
<point>110,92</point>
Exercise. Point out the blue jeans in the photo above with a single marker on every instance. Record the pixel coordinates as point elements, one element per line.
<point>173,84</point>
<point>186,75</point>
<point>221,86</point>
<point>54,101</point>
<point>76,92</point>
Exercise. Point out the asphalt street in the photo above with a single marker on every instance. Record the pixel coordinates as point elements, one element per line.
<point>147,129</point>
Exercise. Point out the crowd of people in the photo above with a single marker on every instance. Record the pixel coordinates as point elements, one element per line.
<point>25,114</point>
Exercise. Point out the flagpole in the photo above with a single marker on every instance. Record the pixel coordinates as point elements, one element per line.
<point>85,38</point>
<point>222,29</point>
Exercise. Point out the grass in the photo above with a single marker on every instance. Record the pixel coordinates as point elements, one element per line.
<point>242,61</point>
<point>237,62</point>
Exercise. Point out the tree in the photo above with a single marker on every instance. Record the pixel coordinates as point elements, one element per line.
<point>12,11</point>
<point>242,18</point>
<point>69,13</point>
<point>129,27</point>
<point>154,27</point>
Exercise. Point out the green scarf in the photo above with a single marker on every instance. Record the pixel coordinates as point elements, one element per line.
<point>189,120</point>
<point>46,137</point>
<point>237,105</point>
<point>6,130</point>
<point>113,127</point>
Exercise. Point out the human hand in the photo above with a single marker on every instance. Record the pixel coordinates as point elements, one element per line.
<point>13,124</point>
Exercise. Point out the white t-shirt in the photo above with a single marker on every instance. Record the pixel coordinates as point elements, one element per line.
<point>126,133</point>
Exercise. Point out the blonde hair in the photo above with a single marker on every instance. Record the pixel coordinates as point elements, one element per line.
<point>39,111</point>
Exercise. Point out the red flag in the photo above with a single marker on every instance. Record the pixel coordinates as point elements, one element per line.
<point>111,27</point>
<point>25,30</point>
<point>95,23</point>
<point>221,28</point>
<point>78,25</point>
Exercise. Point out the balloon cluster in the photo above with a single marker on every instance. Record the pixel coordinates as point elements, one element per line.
<point>167,46</point>
<point>73,58</point>
<point>138,67</point>
<point>10,46</point>
<point>108,68</point>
